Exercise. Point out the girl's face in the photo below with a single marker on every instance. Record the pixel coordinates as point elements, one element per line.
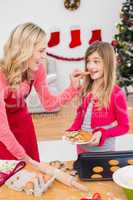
<point>95,66</point>
<point>37,57</point>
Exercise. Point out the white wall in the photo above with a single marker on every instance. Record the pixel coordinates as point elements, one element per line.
<point>51,15</point>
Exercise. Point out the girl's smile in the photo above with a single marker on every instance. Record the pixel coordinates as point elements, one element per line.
<point>95,66</point>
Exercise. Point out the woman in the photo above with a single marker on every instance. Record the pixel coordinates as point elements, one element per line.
<point>20,69</point>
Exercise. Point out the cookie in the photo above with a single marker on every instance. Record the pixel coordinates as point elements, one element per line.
<point>97,169</point>
<point>57,164</point>
<point>17,177</point>
<point>130,162</point>
<point>114,168</point>
<point>85,136</point>
<point>113,162</point>
<point>96,176</point>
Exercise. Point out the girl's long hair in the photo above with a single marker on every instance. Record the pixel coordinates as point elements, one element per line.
<point>106,52</point>
<point>17,50</point>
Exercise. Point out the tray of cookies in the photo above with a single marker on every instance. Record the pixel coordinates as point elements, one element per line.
<point>101,165</point>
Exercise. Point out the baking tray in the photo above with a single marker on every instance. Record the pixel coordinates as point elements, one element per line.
<point>101,165</point>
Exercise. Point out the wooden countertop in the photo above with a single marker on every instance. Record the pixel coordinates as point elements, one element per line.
<point>59,191</point>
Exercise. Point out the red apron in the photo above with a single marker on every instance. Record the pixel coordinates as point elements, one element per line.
<point>21,125</point>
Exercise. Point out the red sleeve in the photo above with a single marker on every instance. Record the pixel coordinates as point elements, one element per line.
<point>6,136</point>
<point>121,115</point>
<point>77,122</point>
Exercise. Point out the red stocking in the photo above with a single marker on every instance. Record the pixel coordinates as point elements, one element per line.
<point>96,36</point>
<point>54,39</point>
<point>75,38</point>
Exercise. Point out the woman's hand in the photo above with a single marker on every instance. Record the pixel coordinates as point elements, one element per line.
<point>29,160</point>
<point>95,140</point>
<point>34,163</point>
<point>75,77</point>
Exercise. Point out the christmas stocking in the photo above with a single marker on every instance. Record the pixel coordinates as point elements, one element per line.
<point>54,39</point>
<point>75,38</point>
<point>96,36</point>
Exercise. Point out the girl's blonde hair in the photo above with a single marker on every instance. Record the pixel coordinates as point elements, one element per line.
<point>106,52</point>
<point>18,49</point>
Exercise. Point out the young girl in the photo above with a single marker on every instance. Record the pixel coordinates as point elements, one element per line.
<point>20,69</point>
<point>103,110</point>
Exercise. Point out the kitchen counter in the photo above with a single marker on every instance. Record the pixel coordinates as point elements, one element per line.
<point>59,191</point>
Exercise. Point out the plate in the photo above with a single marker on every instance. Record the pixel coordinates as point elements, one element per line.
<point>77,137</point>
<point>124,177</point>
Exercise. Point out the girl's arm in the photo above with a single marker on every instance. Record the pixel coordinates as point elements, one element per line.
<point>121,114</point>
<point>48,100</point>
<point>77,122</point>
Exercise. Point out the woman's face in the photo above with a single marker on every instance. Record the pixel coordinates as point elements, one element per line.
<point>95,66</point>
<point>37,57</point>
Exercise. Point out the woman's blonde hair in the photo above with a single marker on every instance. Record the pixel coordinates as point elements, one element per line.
<point>107,54</point>
<point>18,49</point>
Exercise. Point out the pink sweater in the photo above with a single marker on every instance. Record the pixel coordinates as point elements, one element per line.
<point>117,112</point>
<point>48,100</point>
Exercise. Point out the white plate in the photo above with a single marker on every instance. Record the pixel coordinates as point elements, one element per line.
<point>65,138</point>
<point>124,177</point>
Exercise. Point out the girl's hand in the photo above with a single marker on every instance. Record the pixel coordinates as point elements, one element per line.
<point>95,140</point>
<point>75,77</point>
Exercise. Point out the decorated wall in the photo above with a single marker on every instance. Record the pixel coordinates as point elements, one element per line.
<point>69,31</point>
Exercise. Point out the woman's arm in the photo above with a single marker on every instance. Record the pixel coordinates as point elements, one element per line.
<point>6,136</point>
<point>48,100</point>
<point>121,115</point>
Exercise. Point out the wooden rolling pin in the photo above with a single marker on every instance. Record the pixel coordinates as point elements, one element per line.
<point>61,176</point>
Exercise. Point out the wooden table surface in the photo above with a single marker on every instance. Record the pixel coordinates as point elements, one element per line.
<point>58,191</point>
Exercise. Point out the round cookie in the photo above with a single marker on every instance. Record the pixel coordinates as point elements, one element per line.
<point>96,176</point>
<point>114,168</point>
<point>97,169</point>
<point>85,136</point>
<point>130,162</point>
<point>57,164</point>
<point>113,162</point>
<point>17,177</point>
